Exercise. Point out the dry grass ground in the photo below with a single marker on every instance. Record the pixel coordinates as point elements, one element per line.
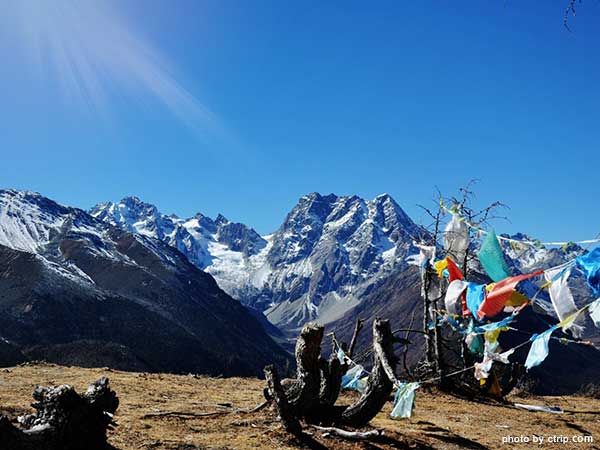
<point>440,421</point>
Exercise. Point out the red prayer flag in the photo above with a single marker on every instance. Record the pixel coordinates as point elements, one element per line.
<point>453,270</point>
<point>501,293</point>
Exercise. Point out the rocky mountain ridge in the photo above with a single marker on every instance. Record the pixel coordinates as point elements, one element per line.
<point>329,251</point>
<point>76,290</point>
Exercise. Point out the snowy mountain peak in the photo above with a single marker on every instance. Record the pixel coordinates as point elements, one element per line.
<point>529,257</point>
<point>328,250</point>
<point>30,222</point>
<point>205,242</point>
<point>221,219</point>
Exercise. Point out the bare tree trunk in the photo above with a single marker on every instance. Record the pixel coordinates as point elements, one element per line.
<point>303,392</point>
<point>331,380</point>
<point>380,382</point>
<point>64,420</point>
<point>312,395</point>
<point>357,328</point>
<point>284,410</point>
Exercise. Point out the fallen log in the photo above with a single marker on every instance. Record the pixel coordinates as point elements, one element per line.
<point>64,419</point>
<point>351,435</point>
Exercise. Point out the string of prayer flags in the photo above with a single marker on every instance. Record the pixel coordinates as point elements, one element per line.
<point>404,401</point>
<point>454,324</point>
<point>561,296</point>
<point>456,238</point>
<point>514,243</point>
<point>595,312</point>
<point>590,266</point>
<point>502,357</point>
<point>455,290</point>
<point>569,321</point>
<point>496,325</point>
<point>492,258</point>
<point>482,369</point>
<point>475,297</point>
<point>501,293</point>
<point>539,348</point>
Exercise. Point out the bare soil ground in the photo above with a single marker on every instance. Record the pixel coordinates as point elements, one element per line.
<point>440,421</point>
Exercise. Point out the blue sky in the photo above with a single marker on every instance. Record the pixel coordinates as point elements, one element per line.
<point>242,107</point>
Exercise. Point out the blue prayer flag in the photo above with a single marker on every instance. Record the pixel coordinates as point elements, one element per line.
<point>475,296</point>
<point>590,266</point>
<point>539,348</point>
<point>404,401</point>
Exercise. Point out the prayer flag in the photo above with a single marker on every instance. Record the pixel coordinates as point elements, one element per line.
<point>501,294</point>
<point>590,265</point>
<point>539,348</point>
<point>456,239</point>
<point>404,401</point>
<point>595,312</point>
<point>475,297</point>
<point>492,258</point>
<point>455,290</point>
<point>561,296</point>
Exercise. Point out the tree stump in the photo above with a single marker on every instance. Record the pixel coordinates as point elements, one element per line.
<point>284,410</point>
<point>64,419</point>
<point>303,392</point>
<point>331,380</point>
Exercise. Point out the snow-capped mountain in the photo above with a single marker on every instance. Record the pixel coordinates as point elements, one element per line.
<point>528,258</point>
<point>329,251</point>
<point>229,251</point>
<point>77,290</point>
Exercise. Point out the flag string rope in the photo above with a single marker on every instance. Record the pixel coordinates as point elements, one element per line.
<point>517,241</point>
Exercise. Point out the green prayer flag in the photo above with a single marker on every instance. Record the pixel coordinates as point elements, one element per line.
<point>492,258</point>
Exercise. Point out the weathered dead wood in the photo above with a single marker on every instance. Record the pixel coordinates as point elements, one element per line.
<point>303,392</point>
<point>64,420</point>
<point>357,328</point>
<point>285,411</point>
<point>299,399</point>
<point>331,380</point>
<point>184,414</point>
<point>380,382</point>
<point>351,435</point>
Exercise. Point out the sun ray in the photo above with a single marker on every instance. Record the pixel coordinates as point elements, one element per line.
<point>90,48</point>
